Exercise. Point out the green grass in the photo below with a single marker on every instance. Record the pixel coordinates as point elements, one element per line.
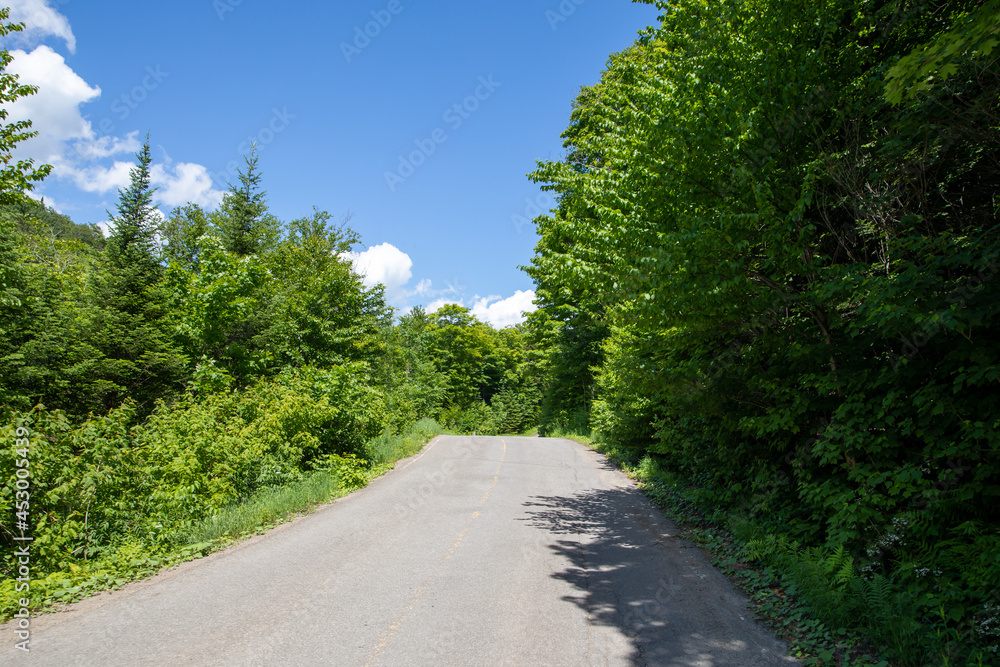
<point>388,448</point>
<point>269,507</point>
<point>583,437</point>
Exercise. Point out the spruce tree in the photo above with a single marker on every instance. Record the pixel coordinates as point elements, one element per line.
<point>132,250</point>
<point>139,360</point>
<point>246,227</point>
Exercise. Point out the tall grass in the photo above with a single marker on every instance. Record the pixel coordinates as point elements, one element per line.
<point>268,507</point>
<point>582,435</point>
<point>388,448</point>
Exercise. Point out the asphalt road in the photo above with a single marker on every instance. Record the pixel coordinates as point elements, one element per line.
<point>479,551</point>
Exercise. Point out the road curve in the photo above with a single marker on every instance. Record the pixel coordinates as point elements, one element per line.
<point>478,551</point>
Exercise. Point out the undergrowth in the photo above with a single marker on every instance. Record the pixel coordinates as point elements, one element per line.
<point>829,610</point>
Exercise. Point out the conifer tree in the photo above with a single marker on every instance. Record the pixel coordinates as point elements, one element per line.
<point>138,358</point>
<point>246,227</point>
<point>132,250</point>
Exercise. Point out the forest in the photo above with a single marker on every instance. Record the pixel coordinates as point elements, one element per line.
<point>766,290</point>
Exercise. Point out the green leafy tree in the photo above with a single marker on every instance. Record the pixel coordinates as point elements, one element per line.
<point>219,310</point>
<point>796,276</point>
<point>460,346</point>
<point>407,372</point>
<point>972,37</point>
<point>48,317</point>
<point>181,231</point>
<point>323,315</point>
<point>20,177</point>
<point>35,218</point>
<point>568,330</point>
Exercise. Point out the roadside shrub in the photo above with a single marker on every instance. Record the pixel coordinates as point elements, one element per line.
<point>109,480</point>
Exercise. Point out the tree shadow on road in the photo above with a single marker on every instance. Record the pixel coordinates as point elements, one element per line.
<point>633,574</point>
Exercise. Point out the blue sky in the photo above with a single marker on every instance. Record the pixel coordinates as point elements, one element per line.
<point>420,119</point>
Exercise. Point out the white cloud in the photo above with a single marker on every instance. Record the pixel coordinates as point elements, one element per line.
<point>386,264</point>
<point>423,288</point>
<point>184,182</point>
<point>504,312</point>
<point>95,178</point>
<point>40,21</point>
<point>494,310</point>
<point>107,146</point>
<point>68,141</point>
<point>54,110</point>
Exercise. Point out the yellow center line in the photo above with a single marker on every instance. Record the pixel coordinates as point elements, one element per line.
<point>425,584</point>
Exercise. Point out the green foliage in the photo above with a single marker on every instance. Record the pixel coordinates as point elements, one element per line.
<point>132,244</point>
<point>219,311</point>
<point>113,476</point>
<point>321,314</point>
<point>461,345</point>
<point>567,331</point>
<point>475,418</point>
<point>299,305</point>
<point>182,231</point>
<point>407,372</point>
<point>489,383</point>
<point>790,285</point>
<point>830,586</point>
<point>463,373</point>
<point>46,317</point>
<point>974,36</point>
<point>43,222</point>
<point>18,178</point>
<point>136,357</point>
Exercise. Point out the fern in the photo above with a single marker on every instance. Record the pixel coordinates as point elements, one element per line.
<point>877,595</point>
<point>839,567</point>
<point>770,546</point>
